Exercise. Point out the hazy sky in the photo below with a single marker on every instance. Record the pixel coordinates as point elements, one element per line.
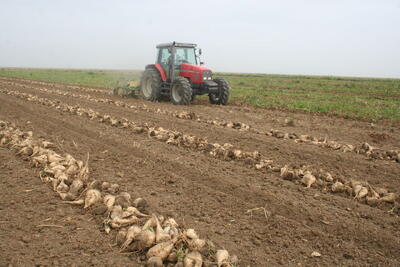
<point>332,37</point>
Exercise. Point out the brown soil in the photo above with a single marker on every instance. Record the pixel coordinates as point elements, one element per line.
<point>208,194</point>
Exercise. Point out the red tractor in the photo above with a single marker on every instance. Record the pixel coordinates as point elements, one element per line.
<point>179,76</point>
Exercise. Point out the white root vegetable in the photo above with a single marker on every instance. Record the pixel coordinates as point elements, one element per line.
<point>105,186</point>
<point>338,187</point>
<point>134,211</point>
<point>122,222</point>
<point>372,201</point>
<point>75,187</point>
<point>109,201</point>
<point>113,189</point>
<point>140,204</point>
<point>39,160</point>
<point>191,233</point>
<point>92,197</point>
<point>144,239</point>
<point>172,231</point>
<point>116,212</point>
<point>389,197</point>
<point>154,262</point>
<point>381,191</point>
<point>222,257</point>
<point>356,186</point>
<point>121,236</point>
<point>161,250</point>
<point>308,179</point>
<point>196,244</point>
<point>72,170</point>
<point>67,196</point>
<point>161,236</point>
<point>54,157</point>
<point>150,223</point>
<point>47,144</point>
<point>172,257</point>
<point>170,222</point>
<point>123,200</point>
<point>95,184</point>
<point>362,193</point>
<point>84,171</point>
<point>233,259</point>
<point>328,177</point>
<point>62,187</point>
<point>57,167</point>
<point>76,202</point>
<point>287,174</point>
<point>125,195</point>
<point>132,232</point>
<point>193,259</point>
<point>25,151</point>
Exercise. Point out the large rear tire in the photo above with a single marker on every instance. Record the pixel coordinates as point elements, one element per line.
<point>181,91</point>
<point>150,85</point>
<point>222,97</point>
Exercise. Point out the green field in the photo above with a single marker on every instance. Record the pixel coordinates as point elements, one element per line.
<point>359,98</point>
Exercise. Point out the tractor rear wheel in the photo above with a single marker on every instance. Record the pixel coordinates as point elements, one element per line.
<point>150,85</point>
<point>222,97</point>
<point>181,91</point>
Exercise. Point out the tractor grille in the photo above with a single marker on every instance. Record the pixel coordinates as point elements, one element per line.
<point>207,75</point>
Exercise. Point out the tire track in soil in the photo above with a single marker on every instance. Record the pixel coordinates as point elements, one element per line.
<point>343,165</point>
<point>286,203</point>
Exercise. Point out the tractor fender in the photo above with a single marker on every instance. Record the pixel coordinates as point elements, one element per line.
<point>160,69</point>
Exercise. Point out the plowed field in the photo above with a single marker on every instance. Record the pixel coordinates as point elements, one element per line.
<point>252,212</point>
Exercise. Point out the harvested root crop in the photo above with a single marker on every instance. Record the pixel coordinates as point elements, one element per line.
<point>191,233</point>
<point>222,258</point>
<point>145,239</point>
<point>130,235</point>
<point>92,197</point>
<point>389,197</point>
<point>161,250</point>
<point>308,179</point>
<point>193,259</point>
<point>161,236</point>
<point>338,187</point>
<point>109,201</point>
<point>154,262</point>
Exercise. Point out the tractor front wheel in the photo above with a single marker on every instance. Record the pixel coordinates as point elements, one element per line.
<point>150,85</point>
<point>181,91</point>
<point>222,97</point>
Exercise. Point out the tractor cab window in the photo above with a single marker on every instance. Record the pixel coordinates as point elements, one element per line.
<point>164,57</point>
<point>185,55</point>
<point>182,55</point>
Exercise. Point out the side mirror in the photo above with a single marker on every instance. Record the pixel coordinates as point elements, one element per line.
<point>201,63</point>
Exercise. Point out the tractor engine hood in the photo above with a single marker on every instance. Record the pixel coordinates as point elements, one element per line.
<point>196,68</point>
<point>197,74</point>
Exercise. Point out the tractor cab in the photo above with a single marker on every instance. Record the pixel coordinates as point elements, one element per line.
<point>169,55</point>
<point>179,75</point>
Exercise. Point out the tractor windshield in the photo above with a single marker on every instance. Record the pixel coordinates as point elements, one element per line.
<point>185,55</point>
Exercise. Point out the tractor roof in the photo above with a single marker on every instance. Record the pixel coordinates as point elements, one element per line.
<point>176,45</point>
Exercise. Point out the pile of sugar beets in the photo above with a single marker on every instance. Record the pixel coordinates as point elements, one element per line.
<point>160,239</point>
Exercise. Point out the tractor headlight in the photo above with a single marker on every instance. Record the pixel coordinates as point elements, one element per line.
<point>207,75</point>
